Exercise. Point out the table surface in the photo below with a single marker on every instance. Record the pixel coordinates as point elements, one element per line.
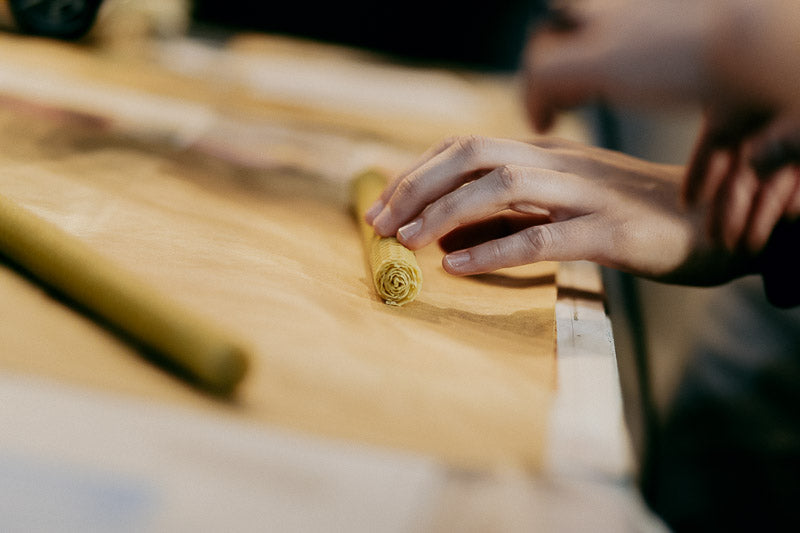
<point>112,463</point>
<point>107,462</point>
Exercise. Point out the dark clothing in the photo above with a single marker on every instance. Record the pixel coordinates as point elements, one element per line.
<point>781,265</point>
<point>728,456</point>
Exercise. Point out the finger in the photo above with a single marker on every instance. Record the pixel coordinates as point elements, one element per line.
<point>523,189</point>
<point>495,227</point>
<point>721,165</point>
<point>723,130</point>
<point>773,198</point>
<point>550,142</point>
<point>432,152</point>
<point>700,164</point>
<point>449,168</point>
<point>777,145</point>
<point>466,159</point>
<point>578,238</point>
<point>732,207</point>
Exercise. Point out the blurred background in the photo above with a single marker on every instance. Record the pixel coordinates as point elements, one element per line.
<point>469,34</point>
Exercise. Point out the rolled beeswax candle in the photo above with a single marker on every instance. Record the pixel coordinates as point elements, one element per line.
<point>395,272</point>
<point>209,356</point>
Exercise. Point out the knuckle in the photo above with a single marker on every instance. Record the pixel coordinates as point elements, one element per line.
<point>471,146</point>
<point>494,252</point>
<point>509,178</point>
<point>446,206</point>
<point>623,232</point>
<point>446,143</point>
<point>408,188</point>
<point>449,141</point>
<point>537,239</point>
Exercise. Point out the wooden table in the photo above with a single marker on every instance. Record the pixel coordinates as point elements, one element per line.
<point>165,467</point>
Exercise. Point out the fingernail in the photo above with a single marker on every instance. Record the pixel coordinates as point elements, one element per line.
<point>409,230</point>
<point>373,211</point>
<point>382,219</point>
<point>458,259</point>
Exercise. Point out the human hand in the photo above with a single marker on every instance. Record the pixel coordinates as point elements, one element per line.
<point>734,55</point>
<point>747,173</point>
<point>621,51</point>
<point>498,203</point>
